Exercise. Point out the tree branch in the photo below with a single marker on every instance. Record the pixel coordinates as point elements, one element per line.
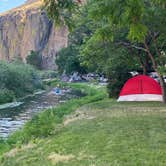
<point>131,45</point>
<point>151,56</point>
<point>154,38</point>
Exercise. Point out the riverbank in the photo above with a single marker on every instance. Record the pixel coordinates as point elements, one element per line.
<point>92,130</point>
<point>13,117</point>
<point>43,124</point>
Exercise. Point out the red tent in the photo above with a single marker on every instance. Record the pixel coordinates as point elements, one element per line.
<point>141,88</point>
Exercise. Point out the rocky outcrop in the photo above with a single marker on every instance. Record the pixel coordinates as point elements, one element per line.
<point>30,1</point>
<point>28,28</point>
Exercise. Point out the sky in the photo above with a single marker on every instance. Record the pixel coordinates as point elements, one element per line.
<point>9,4</point>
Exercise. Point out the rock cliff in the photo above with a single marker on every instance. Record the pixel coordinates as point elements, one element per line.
<point>28,28</point>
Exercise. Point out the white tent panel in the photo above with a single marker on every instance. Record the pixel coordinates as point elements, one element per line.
<point>140,97</point>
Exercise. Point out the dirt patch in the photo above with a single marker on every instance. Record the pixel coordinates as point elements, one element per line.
<point>14,151</point>
<point>78,115</point>
<point>56,158</point>
<point>85,156</point>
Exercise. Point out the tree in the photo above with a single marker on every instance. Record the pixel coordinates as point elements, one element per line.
<point>140,22</point>
<point>61,11</point>
<point>34,59</point>
<point>68,61</point>
<point>69,58</point>
<point>144,21</point>
<point>113,61</point>
<point>17,80</point>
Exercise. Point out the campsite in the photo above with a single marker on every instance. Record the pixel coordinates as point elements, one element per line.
<point>101,131</point>
<point>82,83</point>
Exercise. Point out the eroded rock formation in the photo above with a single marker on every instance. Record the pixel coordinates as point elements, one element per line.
<point>28,28</point>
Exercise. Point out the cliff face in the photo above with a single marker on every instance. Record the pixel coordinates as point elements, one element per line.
<point>28,28</point>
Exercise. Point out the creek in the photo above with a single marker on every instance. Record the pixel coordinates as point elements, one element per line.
<point>13,118</point>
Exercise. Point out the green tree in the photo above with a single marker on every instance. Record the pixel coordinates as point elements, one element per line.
<point>141,23</point>
<point>145,24</point>
<point>17,80</point>
<point>68,61</point>
<point>61,11</point>
<point>113,61</point>
<point>34,59</point>
<point>69,58</point>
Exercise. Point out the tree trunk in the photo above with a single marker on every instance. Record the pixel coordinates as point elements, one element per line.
<point>144,67</point>
<point>144,70</point>
<point>161,79</point>
<point>163,87</point>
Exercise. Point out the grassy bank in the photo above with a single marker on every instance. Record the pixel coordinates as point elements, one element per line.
<point>44,124</point>
<point>99,133</point>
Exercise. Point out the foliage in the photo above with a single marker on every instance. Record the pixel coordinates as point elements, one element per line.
<point>117,79</point>
<point>68,61</point>
<point>119,66</point>
<point>6,96</point>
<point>69,58</point>
<point>144,23</point>
<point>47,74</point>
<point>34,59</point>
<point>61,11</point>
<point>136,25</point>
<point>17,80</point>
<point>115,62</point>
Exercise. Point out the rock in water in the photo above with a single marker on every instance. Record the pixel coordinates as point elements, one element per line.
<point>27,28</point>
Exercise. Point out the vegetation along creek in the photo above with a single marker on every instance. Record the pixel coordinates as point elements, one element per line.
<point>13,118</point>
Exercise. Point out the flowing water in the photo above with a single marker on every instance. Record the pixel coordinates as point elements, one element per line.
<point>14,118</point>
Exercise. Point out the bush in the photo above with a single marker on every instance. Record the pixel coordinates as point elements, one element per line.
<point>6,96</point>
<point>18,80</point>
<point>68,61</point>
<point>48,74</point>
<point>117,78</point>
<point>34,59</point>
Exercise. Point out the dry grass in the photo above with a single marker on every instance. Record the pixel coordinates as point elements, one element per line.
<point>14,151</point>
<point>78,115</point>
<point>56,158</point>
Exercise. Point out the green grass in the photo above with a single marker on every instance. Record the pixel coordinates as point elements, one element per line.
<point>45,123</point>
<point>98,133</point>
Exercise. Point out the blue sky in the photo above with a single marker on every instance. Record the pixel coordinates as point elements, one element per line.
<point>9,4</point>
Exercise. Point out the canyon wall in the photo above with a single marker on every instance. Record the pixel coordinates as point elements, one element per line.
<point>28,28</point>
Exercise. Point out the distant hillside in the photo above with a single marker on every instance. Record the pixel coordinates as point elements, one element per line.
<point>28,28</point>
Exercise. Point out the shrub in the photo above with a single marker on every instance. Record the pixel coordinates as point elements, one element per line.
<point>6,96</point>
<point>117,78</point>
<point>68,61</point>
<point>34,59</point>
<point>18,79</point>
<point>48,74</point>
